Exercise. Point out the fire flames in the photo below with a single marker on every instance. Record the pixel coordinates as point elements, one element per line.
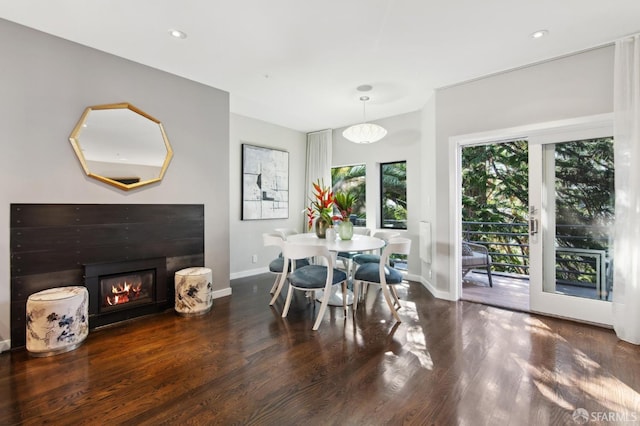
<point>123,293</point>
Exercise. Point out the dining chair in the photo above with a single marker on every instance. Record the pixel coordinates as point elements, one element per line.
<point>276,266</point>
<point>383,275</point>
<point>364,258</point>
<point>285,232</point>
<point>312,277</point>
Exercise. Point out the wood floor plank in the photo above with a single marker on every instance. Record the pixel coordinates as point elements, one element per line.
<point>446,363</point>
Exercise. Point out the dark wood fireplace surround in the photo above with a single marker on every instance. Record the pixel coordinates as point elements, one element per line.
<point>52,244</point>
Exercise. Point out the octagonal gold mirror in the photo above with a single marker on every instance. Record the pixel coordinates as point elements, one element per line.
<point>121,145</point>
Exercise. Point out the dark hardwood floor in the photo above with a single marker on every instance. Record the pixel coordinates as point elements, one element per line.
<point>447,363</point>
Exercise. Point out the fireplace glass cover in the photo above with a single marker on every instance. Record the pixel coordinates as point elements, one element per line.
<point>123,291</point>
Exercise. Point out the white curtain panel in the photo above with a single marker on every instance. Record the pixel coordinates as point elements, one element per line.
<point>319,148</point>
<point>626,284</point>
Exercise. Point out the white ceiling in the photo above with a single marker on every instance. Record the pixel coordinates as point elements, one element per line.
<point>297,63</point>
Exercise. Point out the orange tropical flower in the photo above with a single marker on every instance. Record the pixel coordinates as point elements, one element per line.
<point>321,204</point>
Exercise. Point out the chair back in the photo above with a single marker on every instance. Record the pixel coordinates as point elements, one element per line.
<point>285,232</point>
<point>386,235</point>
<point>361,231</point>
<point>294,251</point>
<point>272,239</point>
<point>395,246</point>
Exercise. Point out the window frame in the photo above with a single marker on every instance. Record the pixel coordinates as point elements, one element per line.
<point>362,200</point>
<point>382,199</point>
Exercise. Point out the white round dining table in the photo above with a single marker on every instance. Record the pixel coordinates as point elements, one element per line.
<point>358,243</point>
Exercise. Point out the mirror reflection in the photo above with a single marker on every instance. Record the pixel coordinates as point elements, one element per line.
<point>121,145</point>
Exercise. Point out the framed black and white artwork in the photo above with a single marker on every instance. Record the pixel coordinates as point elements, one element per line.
<point>265,183</point>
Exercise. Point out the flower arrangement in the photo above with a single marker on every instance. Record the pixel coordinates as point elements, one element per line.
<point>321,204</point>
<point>344,202</point>
<point>323,201</point>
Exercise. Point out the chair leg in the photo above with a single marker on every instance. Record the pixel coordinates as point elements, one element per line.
<point>344,296</point>
<point>287,303</point>
<point>283,278</point>
<point>387,296</point>
<point>323,307</point>
<point>394,293</point>
<point>489,276</point>
<point>275,284</point>
<point>356,294</point>
<point>365,291</point>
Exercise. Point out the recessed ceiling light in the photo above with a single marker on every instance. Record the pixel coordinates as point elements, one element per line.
<point>540,33</point>
<point>177,33</point>
<point>364,88</point>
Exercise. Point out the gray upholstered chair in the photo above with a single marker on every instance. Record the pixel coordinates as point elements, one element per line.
<point>364,258</point>
<point>475,256</point>
<point>383,275</point>
<point>313,277</point>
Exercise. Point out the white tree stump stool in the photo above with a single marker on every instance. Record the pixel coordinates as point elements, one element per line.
<point>57,320</point>
<point>194,291</point>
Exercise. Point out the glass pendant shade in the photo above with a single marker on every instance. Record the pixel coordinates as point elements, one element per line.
<point>365,133</point>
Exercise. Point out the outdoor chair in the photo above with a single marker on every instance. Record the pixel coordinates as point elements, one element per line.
<point>475,256</point>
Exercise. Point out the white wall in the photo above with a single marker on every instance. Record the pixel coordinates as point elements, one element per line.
<point>246,235</point>
<point>573,86</point>
<point>402,143</point>
<point>428,188</point>
<point>45,85</point>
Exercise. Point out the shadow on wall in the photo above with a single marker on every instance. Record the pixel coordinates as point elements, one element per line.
<point>404,137</point>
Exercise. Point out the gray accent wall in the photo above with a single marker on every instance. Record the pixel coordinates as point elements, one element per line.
<point>46,83</point>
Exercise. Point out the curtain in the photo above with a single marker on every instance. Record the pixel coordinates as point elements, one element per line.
<point>319,145</point>
<point>626,287</point>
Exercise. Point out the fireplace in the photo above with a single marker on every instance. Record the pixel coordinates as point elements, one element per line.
<point>125,289</point>
<point>51,244</point>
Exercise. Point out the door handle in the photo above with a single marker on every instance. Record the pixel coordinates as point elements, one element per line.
<point>533,222</point>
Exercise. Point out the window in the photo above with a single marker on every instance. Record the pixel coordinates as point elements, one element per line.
<point>352,179</point>
<point>393,195</point>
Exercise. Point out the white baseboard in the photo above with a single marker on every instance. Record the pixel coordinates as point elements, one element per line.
<point>222,293</point>
<point>413,277</point>
<point>249,273</point>
<point>5,345</point>
<point>438,294</point>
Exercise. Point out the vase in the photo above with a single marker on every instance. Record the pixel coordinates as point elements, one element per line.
<point>331,235</point>
<point>345,230</point>
<point>321,228</point>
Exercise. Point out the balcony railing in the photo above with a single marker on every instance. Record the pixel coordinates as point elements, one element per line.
<point>508,245</point>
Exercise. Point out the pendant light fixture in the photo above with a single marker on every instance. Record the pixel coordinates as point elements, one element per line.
<point>364,132</point>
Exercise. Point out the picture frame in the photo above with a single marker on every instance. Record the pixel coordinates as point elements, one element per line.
<point>265,183</point>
